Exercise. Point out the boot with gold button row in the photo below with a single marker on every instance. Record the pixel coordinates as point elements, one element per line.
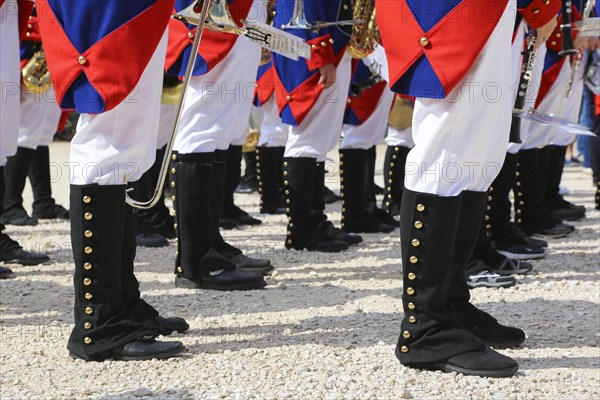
<point>503,234</point>
<point>200,263</point>
<point>269,171</point>
<point>303,230</point>
<point>104,296</point>
<point>355,190</point>
<point>471,234</point>
<point>431,335</point>
<point>529,213</point>
<point>393,176</point>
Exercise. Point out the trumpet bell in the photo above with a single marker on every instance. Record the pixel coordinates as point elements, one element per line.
<point>218,19</point>
<point>298,20</point>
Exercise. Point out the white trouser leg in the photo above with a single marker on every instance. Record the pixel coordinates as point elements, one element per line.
<point>10,79</point>
<point>121,141</point>
<point>273,132</point>
<point>558,104</point>
<point>320,130</point>
<point>39,119</point>
<point>461,141</point>
<point>400,137</point>
<point>572,105</point>
<point>370,132</point>
<point>168,115</point>
<point>218,103</point>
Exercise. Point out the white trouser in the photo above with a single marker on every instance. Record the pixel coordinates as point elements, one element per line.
<point>121,142</point>
<point>572,104</point>
<point>168,115</point>
<point>399,137</point>
<point>217,106</point>
<point>273,132</point>
<point>10,80</point>
<point>532,90</point>
<point>320,130</point>
<point>461,140</point>
<point>371,131</point>
<point>555,102</point>
<point>39,119</point>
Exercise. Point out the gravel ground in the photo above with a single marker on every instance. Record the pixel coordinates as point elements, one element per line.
<point>325,328</point>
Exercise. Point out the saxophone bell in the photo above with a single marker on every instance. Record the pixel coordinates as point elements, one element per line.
<point>35,74</point>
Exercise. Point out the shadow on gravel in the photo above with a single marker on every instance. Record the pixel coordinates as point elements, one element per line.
<point>169,394</point>
<point>559,362</point>
<point>354,330</point>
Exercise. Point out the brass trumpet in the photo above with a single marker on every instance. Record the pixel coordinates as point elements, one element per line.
<point>299,21</point>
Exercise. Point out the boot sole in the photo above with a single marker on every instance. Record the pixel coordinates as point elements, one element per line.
<point>497,373</point>
<point>261,270</point>
<point>508,345</point>
<point>185,283</point>
<point>521,256</point>
<point>159,356</point>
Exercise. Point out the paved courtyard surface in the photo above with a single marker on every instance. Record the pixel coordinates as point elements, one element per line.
<point>325,328</point>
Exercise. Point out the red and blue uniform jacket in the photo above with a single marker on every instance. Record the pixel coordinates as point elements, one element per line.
<point>24,10</point>
<point>32,40</point>
<point>264,87</point>
<point>359,108</point>
<point>431,45</point>
<point>296,85</point>
<point>97,50</point>
<point>213,47</point>
<point>553,62</point>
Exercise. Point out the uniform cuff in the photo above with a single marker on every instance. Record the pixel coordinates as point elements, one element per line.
<point>539,12</point>
<point>321,52</point>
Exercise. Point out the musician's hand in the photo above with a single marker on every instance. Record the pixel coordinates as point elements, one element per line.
<point>593,43</point>
<point>581,43</point>
<point>328,75</point>
<point>544,32</point>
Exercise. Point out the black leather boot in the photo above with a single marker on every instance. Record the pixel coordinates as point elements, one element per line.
<point>10,250</point>
<point>470,233</point>
<point>528,199</point>
<point>501,231</point>
<point>302,230</point>
<point>230,252</point>
<point>269,171</point>
<point>6,273</point>
<point>597,198</point>
<point>371,192</point>
<point>15,174</point>
<point>103,328</point>
<point>138,309</point>
<point>231,215</point>
<point>393,175</point>
<point>44,205</point>
<point>318,210</point>
<point>431,337</point>
<point>554,203</point>
<point>199,264</point>
<point>158,219</point>
<point>231,180</point>
<point>249,181</point>
<point>354,189</point>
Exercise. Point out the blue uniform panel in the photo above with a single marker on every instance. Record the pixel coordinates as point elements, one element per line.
<point>294,73</point>
<point>85,23</point>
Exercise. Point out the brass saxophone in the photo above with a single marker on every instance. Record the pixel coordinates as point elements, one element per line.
<point>36,76</point>
<point>365,35</point>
